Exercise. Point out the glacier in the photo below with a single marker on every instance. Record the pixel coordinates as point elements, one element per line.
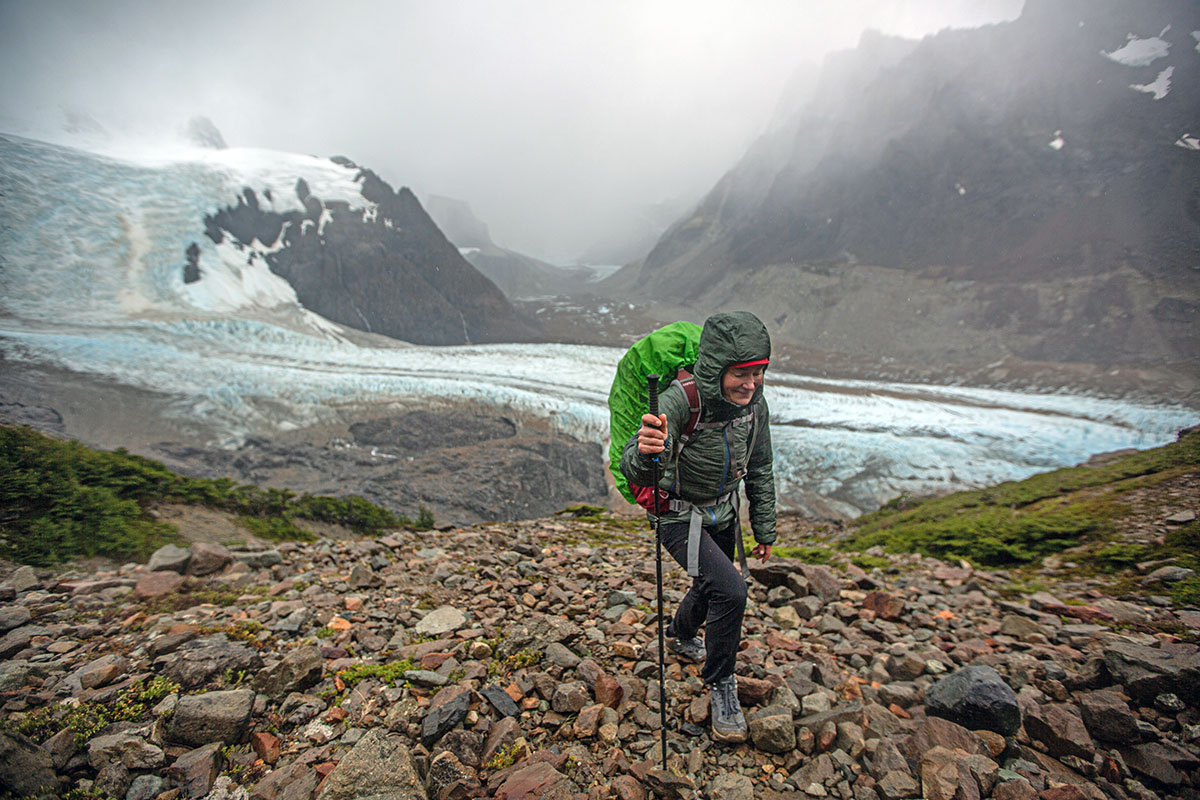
<point>91,281</point>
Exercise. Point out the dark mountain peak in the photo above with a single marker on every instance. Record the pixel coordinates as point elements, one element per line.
<point>1050,150</point>
<point>381,266</point>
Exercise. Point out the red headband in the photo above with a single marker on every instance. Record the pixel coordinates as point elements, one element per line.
<point>759,362</point>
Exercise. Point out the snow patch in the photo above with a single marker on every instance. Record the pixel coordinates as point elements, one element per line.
<point>1196,36</point>
<point>1140,52</point>
<point>962,190</point>
<point>1057,142</point>
<point>466,251</point>
<point>1188,142</point>
<point>1160,87</point>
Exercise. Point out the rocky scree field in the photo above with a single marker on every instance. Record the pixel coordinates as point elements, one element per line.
<point>518,660</point>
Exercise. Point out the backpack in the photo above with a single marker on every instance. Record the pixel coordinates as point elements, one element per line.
<point>669,351</point>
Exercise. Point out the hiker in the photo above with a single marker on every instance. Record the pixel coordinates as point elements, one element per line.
<point>699,523</point>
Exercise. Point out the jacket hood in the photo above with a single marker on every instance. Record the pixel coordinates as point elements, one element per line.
<point>728,338</point>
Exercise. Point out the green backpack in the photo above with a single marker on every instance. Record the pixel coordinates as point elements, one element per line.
<point>665,352</point>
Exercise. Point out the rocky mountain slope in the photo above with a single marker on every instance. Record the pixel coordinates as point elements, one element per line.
<point>1024,190</point>
<point>518,660</point>
<point>518,275</point>
<point>391,272</point>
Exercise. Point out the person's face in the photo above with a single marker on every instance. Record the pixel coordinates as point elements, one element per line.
<point>740,383</point>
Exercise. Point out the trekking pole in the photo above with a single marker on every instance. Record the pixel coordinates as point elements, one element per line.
<point>652,380</point>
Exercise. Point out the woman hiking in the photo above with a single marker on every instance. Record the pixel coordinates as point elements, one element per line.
<point>699,526</point>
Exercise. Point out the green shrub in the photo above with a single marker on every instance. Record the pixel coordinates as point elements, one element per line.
<point>60,500</point>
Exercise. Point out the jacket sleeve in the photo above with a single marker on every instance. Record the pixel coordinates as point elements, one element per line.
<point>760,479</point>
<point>637,467</point>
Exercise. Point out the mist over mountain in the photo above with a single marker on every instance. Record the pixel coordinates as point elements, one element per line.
<point>517,274</point>
<point>1025,190</point>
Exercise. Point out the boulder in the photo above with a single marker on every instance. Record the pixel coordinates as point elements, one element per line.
<point>169,558</point>
<point>378,767</point>
<point>207,558</point>
<point>299,669</point>
<point>975,697</point>
<point>25,768</point>
<point>194,771</point>
<point>211,717</point>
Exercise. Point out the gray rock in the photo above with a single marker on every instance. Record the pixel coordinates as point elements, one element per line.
<point>558,653</point>
<point>822,581</point>
<point>13,674</point>
<point>112,780</point>
<point>440,621</point>
<point>25,768</point>
<point>212,717</point>
<point>977,698</point>
<point>197,662</point>
<point>772,731</point>
<point>448,774</point>
<point>299,669</point>
<point>379,767</point>
<point>132,751</point>
<point>1020,627</point>
<point>296,781</point>
<point>145,787</point>
<point>1107,716</point>
<point>169,558</point>
<point>1147,672</point>
<point>194,771</point>
<point>569,698</point>
<point>259,559</point>
<point>444,718</point>
<point>13,617</point>
<point>1169,574</point>
<point>622,597</point>
<point>731,786</point>
<point>207,558</point>
<point>850,712</point>
<point>363,577</point>
<point>1154,760</point>
<point>1060,727</point>
<point>23,579</point>
<point>897,785</point>
<point>425,677</point>
<point>500,701</point>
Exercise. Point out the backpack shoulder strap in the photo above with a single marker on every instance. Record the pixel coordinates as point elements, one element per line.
<point>687,382</point>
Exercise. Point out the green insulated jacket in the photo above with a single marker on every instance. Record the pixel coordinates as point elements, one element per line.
<point>708,466</point>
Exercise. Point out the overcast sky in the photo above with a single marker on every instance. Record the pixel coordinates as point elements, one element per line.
<point>554,119</point>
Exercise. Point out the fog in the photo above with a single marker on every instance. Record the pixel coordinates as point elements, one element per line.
<point>556,121</point>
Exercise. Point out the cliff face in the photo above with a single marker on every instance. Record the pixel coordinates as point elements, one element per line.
<point>1024,189</point>
<point>390,272</point>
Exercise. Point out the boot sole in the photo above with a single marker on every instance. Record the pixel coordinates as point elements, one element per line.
<point>733,737</point>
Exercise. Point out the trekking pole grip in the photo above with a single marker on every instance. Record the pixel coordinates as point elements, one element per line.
<point>652,388</point>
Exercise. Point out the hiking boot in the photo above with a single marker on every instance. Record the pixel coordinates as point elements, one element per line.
<point>728,722</point>
<point>689,649</point>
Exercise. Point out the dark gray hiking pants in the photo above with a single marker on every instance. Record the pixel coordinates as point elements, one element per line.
<point>716,600</point>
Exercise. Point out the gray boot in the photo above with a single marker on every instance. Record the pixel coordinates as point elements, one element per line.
<point>690,649</point>
<point>728,722</point>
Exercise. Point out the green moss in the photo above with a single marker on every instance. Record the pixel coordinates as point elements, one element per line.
<point>863,561</point>
<point>1187,591</point>
<point>87,719</point>
<point>1020,522</point>
<point>388,674</point>
<point>809,554</point>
